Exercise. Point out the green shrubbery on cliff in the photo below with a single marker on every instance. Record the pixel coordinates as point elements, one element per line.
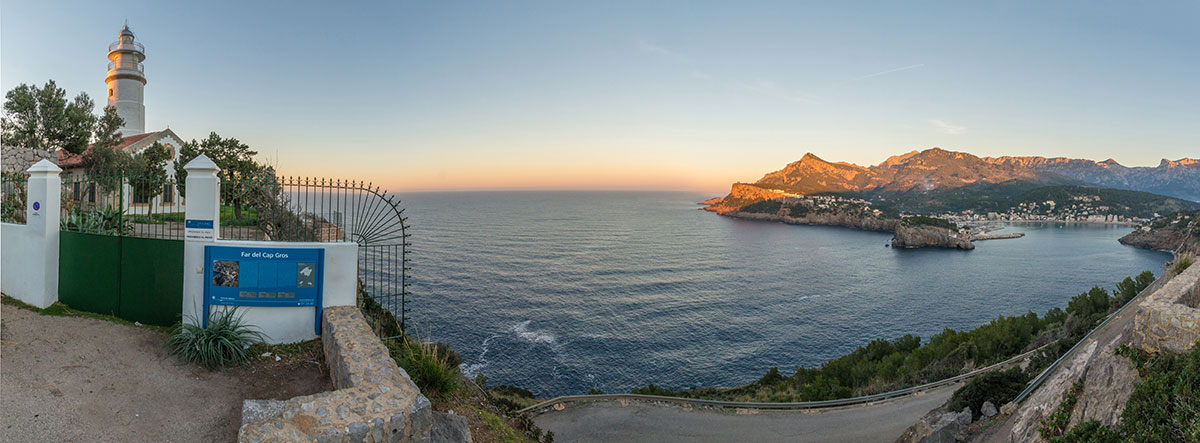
<point>883,365</point>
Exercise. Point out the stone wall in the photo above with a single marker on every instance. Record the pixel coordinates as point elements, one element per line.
<point>1164,322</point>
<point>375,400</point>
<point>18,159</point>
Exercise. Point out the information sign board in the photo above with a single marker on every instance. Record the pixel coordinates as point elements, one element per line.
<point>268,277</point>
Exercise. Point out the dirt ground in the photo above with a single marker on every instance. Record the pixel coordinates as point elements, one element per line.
<point>83,379</point>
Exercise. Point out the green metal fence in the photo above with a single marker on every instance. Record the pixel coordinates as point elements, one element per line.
<point>14,186</point>
<point>121,247</point>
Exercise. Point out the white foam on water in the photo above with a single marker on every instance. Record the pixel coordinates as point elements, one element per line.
<point>522,330</point>
<point>470,370</point>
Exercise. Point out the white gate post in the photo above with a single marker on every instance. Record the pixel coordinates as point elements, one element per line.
<point>202,226</point>
<point>42,213</point>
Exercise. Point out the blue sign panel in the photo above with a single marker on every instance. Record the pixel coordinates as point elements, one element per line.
<point>270,277</point>
<point>201,224</point>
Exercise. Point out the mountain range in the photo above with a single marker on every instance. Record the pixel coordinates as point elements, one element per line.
<point>940,180</point>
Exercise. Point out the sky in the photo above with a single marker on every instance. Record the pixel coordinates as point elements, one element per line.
<point>634,95</point>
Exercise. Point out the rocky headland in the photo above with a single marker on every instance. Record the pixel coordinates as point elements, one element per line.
<point>928,236</point>
<point>844,220</point>
<point>1178,232</point>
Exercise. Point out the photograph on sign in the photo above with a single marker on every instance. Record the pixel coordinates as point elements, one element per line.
<point>225,273</point>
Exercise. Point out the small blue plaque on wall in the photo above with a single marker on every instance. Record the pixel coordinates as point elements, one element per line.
<point>264,277</point>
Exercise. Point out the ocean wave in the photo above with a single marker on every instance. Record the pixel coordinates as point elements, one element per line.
<point>522,331</point>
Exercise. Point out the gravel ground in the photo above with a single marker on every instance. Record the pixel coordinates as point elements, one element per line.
<point>82,379</point>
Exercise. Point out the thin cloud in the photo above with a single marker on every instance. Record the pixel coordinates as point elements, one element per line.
<point>701,75</point>
<point>651,48</point>
<point>877,74</point>
<point>946,127</point>
<point>889,71</point>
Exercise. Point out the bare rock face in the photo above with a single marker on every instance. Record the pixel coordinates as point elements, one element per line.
<point>1110,380</point>
<point>741,195</point>
<point>928,236</point>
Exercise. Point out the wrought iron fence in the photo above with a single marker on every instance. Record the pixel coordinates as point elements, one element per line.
<point>12,201</point>
<point>122,205</point>
<point>299,209</point>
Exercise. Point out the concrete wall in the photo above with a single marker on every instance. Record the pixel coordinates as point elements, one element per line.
<point>1164,322</point>
<point>29,252</point>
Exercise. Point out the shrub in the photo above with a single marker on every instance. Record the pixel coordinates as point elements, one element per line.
<point>224,342</point>
<point>998,387</point>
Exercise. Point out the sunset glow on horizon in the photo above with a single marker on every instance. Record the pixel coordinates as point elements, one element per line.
<point>626,95</point>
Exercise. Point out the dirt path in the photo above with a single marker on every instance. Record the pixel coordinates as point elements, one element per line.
<point>82,379</point>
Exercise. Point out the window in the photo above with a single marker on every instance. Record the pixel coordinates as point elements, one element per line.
<point>168,195</point>
<point>92,193</point>
<point>141,194</point>
<point>110,92</point>
<point>75,191</point>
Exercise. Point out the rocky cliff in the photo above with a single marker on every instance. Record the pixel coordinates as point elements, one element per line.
<point>845,220</point>
<point>928,236</point>
<point>741,195</point>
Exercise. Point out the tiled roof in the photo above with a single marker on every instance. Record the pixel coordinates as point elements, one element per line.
<point>69,160</point>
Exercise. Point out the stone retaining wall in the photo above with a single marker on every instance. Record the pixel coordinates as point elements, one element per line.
<point>375,400</point>
<point>18,159</point>
<point>1164,322</point>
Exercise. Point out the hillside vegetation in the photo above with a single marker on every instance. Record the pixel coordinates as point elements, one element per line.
<point>884,365</point>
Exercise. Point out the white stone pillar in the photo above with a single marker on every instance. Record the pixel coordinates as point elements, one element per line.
<point>43,208</point>
<point>203,189</point>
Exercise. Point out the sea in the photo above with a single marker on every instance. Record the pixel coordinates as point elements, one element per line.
<point>564,292</point>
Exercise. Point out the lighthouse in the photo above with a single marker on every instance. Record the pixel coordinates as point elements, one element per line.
<point>126,80</point>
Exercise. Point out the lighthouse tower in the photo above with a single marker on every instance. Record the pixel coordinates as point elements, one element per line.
<point>126,79</point>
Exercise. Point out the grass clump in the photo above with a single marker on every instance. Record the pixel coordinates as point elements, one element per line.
<point>432,366</point>
<point>224,342</point>
<point>1182,262</point>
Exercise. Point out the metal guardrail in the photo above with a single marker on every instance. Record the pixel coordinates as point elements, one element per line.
<point>1033,385</point>
<point>780,405</point>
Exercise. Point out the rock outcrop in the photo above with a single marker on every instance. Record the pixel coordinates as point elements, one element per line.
<point>928,236</point>
<point>938,426</point>
<point>741,195</point>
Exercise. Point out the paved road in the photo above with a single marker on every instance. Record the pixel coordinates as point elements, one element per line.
<point>606,421</point>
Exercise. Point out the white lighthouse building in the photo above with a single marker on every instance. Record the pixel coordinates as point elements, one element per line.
<point>126,80</point>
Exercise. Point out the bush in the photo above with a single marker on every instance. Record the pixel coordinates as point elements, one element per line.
<point>224,342</point>
<point>998,387</point>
